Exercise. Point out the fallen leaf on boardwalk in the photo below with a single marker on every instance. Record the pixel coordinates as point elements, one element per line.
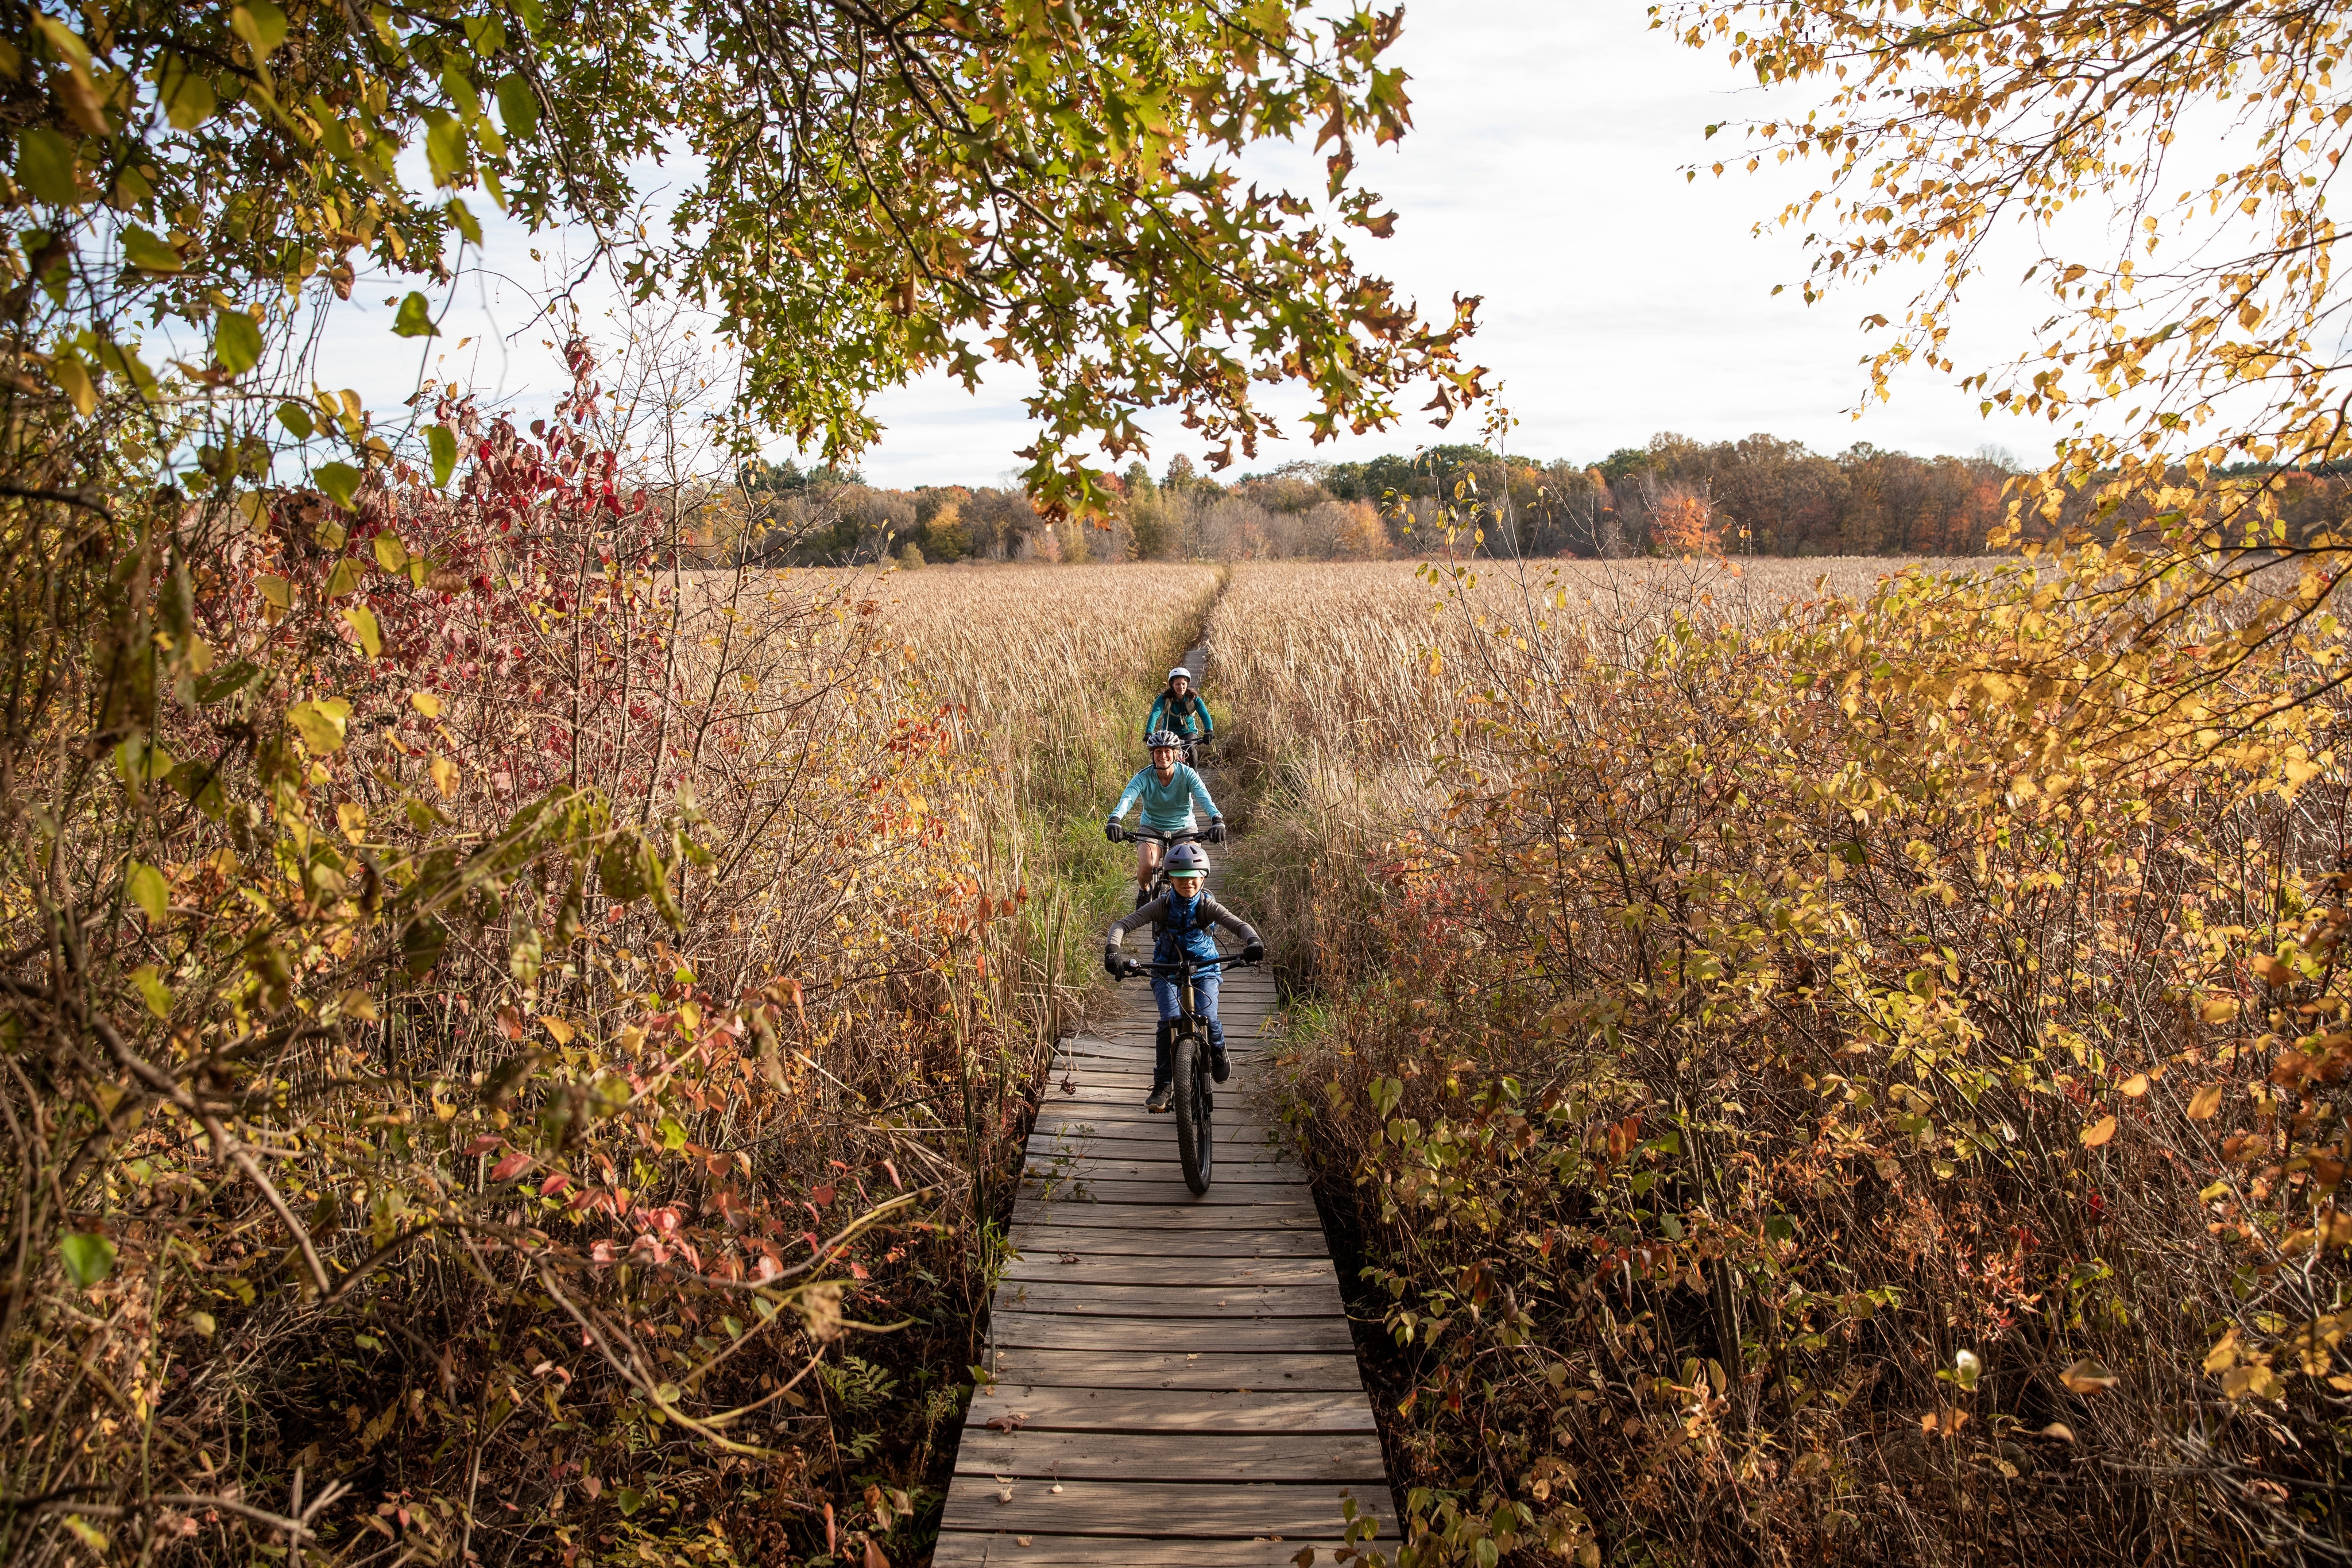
<point>1009,1422</point>
<point>2088,1377</point>
<point>1003,1494</point>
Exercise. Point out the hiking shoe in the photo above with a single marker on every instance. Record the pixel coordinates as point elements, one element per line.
<point>1162,1098</point>
<point>1221,1066</point>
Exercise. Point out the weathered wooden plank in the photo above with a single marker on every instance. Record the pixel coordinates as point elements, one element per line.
<point>1002,1550</point>
<point>1206,1410</point>
<point>1172,1457</point>
<point>1178,1211</point>
<point>1048,1243</point>
<point>1038,1366</point>
<point>1046,1331</point>
<point>1156,1509</point>
<point>1087,1298</point>
<point>1039,1267</point>
<point>1078,1190</point>
<point>1247,1164</point>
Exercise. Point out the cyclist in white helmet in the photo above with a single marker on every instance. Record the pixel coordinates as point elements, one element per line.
<point>1180,710</point>
<point>1182,917</point>
<point>1174,801</point>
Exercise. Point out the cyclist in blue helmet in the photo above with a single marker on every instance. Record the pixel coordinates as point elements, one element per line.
<point>1182,917</point>
<point>1174,801</point>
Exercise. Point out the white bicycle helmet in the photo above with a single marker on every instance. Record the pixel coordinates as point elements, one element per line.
<point>1179,671</point>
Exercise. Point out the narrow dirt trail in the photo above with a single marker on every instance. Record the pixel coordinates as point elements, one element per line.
<point>1176,1383</point>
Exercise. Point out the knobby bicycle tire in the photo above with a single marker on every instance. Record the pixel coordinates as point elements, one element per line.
<point>1195,1139</point>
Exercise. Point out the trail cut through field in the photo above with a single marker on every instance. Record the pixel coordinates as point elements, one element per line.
<point>1175,1381</point>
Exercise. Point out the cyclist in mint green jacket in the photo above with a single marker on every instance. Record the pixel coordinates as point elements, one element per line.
<point>1180,710</point>
<point>1174,801</point>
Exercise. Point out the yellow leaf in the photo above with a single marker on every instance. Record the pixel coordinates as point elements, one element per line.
<point>359,1005</point>
<point>362,620</point>
<point>444,774</point>
<point>72,378</point>
<point>562,1031</point>
<point>426,703</point>
<point>321,723</point>
<point>2135,1086</point>
<point>151,990</point>
<point>2088,1377</point>
<point>278,591</point>
<point>2206,1103</point>
<point>390,553</point>
<point>2098,1132</point>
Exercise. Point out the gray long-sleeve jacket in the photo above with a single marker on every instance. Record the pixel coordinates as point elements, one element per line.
<point>1200,942</point>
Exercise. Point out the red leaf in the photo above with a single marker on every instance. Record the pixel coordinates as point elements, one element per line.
<point>554,1185</point>
<point>821,1195</point>
<point>513,1165</point>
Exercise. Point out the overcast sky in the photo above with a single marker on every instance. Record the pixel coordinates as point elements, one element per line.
<point>1543,173</point>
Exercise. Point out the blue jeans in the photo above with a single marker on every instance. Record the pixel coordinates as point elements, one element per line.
<point>1204,1001</point>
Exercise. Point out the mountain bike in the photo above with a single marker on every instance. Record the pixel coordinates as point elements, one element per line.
<point>1188,1062</point>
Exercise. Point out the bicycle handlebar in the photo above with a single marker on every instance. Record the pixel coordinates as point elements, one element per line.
<point>1188,836</point>
<point>1222,961</point>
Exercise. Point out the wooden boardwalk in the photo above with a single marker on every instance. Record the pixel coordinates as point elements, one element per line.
<point>1175,1380</point>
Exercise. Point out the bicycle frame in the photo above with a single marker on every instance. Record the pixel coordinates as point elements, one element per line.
<point>1195,1101</point>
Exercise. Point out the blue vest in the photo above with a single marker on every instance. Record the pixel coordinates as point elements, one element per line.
<point>1185,927</point>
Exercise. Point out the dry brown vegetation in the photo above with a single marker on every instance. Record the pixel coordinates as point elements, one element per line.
<point>1798,1092</point>
<point>494,1038</point>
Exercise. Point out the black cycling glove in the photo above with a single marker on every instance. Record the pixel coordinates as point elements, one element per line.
<point>1112,965</point>
<point>1216,829</point>
<point>1254,952</point>
<point>1113,831</point>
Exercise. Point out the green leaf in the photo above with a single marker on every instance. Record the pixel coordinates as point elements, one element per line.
<point>463,216</point>
<point>390,553</point>
<point>518,105</point>
<point>149,253</point>
<point>444,442</point>
<point>89,1259</point>
<point>363,626</point>
<point>261,25</point>
<point>345,576</point>
<point>152,988</point>
<point>421,944</point>
<point>444,145</point>
<point>227,681</point>
<point>89,1535</point>
<point>297,418</point>
<point>187,97</point>
<point>413,318</point>
<point>45,166</point>
<point>236,342</point>
<point>342,481</point>
<point>149,891</point>
<point>673,1133</point>
<point>321,723</point>
<point>630,1502</point>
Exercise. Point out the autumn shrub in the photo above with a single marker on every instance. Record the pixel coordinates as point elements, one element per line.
<point>516,1047</point>
<point>1819,1085</point>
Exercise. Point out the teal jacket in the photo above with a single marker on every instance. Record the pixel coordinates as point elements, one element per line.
<point>1168,808</point>
<point>1191,716</point>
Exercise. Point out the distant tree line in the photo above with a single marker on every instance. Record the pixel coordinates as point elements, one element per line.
<point>1760,495</point>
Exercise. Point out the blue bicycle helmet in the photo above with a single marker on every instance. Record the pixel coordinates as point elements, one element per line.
<point>1159,737</point>
<point>1186,858</point>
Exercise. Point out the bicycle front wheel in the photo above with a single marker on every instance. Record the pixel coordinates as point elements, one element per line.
<point>1196,1140</point>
